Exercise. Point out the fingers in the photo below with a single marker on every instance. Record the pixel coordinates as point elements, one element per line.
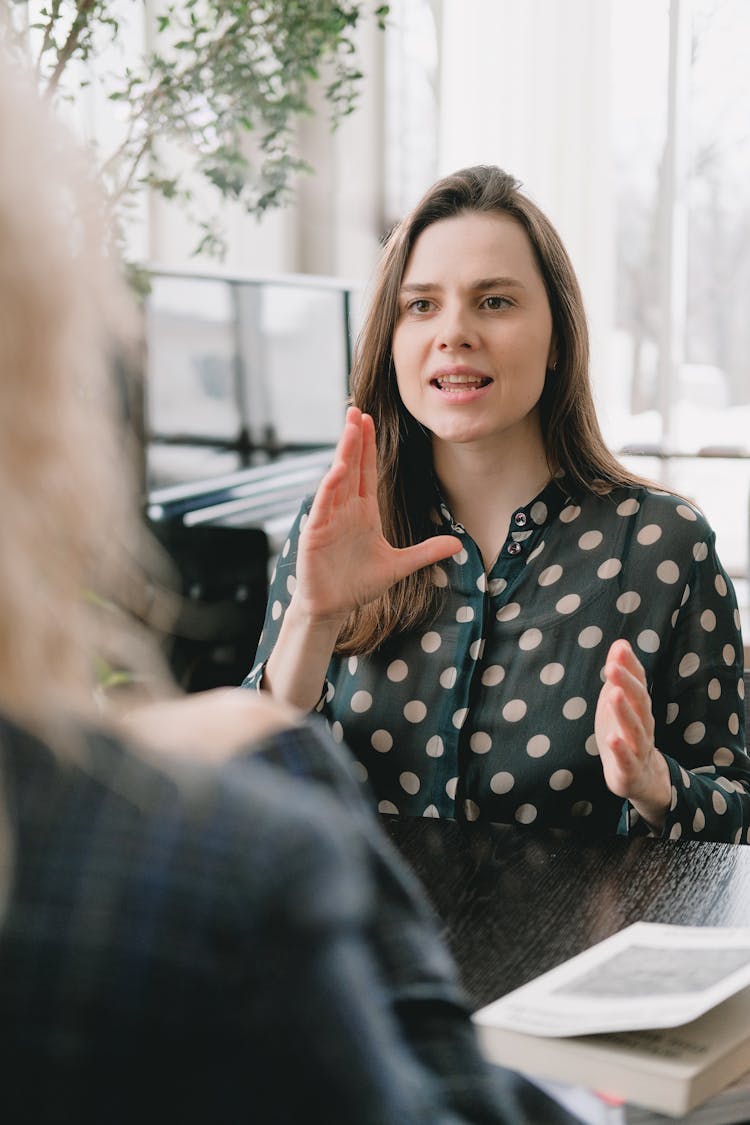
<point>368,473</point>
<point>409,559</point>
<point>341,482</point>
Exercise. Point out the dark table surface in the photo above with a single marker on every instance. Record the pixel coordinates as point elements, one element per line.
<point>515,902</point>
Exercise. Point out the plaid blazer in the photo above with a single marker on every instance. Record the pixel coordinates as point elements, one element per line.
<point>183,943</point>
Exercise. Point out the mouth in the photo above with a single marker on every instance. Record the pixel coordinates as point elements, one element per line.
<point>454,381</point>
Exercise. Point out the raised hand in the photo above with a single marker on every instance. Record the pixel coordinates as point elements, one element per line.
<point>343,559</point>
<point>624,728</point>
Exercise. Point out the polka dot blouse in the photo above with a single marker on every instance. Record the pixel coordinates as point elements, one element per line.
<point>488,712</point>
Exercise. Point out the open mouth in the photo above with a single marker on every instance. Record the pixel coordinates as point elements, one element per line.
<point>461,382</point>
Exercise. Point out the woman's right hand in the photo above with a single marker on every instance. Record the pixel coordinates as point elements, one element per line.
<point>343,559</point>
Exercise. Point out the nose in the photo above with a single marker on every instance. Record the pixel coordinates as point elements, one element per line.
<point>454,330</point>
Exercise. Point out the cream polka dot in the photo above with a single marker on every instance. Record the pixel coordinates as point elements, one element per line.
<point>685,512</point>
<point>359,771</point>
<point>539,512</point>
<point>459,717</point>
<point>727,785</point>
<point>276,610</point>
<point>628,507</point>
<point>685,595</point>
<point>568,604</point>
<point>673,802</point>
<point>700,552</point>
<point>589,540</point>
<point>448,678</point>
<point>570,513</point>
<point>450,787</point>
<point>591,746</point>
<point>352,664</point>
<point>508,612</point>
<point>733,723</point>
<point>574,708</point>
<point>291,584</point>
<point>431,812</point>
<point>397,671</point>
<point>648,641</point>
<point>628,602</point>
<point>689,664</point>
<point>502,782</point>
<point>708,621</point>
<point>435,747</point>
<point>610,568</point>
<point>672,712</point>
<point>550,575</point>
<point>493,675</point>
<point>439,577</point>
<point>714,689</point>
<point>482,583</point>
<point>409,782</point>
<point>514,710</point>
<point>464,613</point>
<point>719,802</point>
<point>581,808</point>
<point>649,534</point>
<point>741,688</point>
<point>699,820</point>
<point>387,807</point>
<point>382,741</point>
<point>532,638</point>
<point>675,831</point>
<point>337,732</point>
<point>537,746</point>
<point>561,779</point>
<point>330,691</point>
<point>361,702</point>
<point>590,637</point>
<point>674,617</point>
<point>461,557</point>
<point>476,649</point>
<point>496,586</point>
<point>694,733</point>
<point>552,673</point>
<point>415,711</point>
<point>535,553</point>
<point>526,814</point>
<point>431,642</point>
<point>480,742</point>
<point>728,654</point>
<point>668,572</point>
<point>723,756</point>
<point>471,809</point>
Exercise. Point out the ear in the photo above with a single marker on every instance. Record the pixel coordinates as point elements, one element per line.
<point>552,356</point>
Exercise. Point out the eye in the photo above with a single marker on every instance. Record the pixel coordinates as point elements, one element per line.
<point>420,305</point>
<point>494,304</point>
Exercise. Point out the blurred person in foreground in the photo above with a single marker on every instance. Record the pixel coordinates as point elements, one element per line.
<point>199,918</point>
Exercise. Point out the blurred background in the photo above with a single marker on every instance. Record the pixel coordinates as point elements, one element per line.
<point>626,120</point>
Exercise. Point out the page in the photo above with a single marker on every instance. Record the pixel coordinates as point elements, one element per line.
<point>647,975</point>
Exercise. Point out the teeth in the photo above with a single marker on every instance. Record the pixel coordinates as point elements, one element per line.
<point>460,382</point>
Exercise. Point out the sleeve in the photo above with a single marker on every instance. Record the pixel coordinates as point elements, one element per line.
<point>364,1033</point>
<point>699,710</point>
<point>280,593</point>
<point>408,1051</point>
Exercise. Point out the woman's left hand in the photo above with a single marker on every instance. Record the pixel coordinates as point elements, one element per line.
<point>624,728</point>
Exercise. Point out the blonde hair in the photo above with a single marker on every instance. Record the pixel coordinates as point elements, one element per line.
<point>570,429</point>
<point>71,532</point>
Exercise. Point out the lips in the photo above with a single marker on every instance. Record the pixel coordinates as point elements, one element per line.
<point>460,379</point>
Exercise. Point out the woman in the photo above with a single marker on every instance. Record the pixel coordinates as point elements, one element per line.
<point>199,918</point>
<point>506,623</point>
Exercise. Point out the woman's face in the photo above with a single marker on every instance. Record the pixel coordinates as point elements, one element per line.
<point>473,337</point>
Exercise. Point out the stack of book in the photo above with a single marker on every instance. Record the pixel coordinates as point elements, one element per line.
<point>650,1025</point>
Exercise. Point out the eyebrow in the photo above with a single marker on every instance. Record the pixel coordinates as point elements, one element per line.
<point>481,283</point>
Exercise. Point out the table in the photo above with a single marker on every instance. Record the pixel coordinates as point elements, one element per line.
<point>514,902</point>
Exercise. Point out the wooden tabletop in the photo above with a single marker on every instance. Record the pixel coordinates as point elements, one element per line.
<point>515,902</point>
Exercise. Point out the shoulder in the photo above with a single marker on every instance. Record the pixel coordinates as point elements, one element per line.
<point>654,515</point>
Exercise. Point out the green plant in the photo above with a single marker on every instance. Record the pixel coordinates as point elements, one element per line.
<point>218,93</point>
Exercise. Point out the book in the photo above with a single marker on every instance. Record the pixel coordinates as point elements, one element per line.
<point>657,1016</point>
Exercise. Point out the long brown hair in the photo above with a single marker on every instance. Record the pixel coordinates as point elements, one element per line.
<point>571,433</point>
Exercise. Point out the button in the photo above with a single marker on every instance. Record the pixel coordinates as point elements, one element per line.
<point>514,548</point>
<point>520,519</point>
